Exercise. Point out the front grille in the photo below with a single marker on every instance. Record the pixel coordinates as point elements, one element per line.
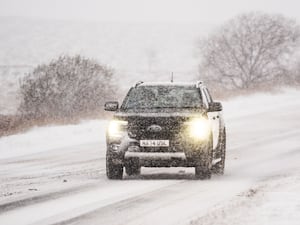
<point>170,128</point>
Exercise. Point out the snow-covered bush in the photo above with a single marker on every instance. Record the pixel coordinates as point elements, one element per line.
<point>67,87</point>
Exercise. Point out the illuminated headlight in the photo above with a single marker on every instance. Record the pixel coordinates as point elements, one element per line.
<point>116,128</point>
<point>199,128</point>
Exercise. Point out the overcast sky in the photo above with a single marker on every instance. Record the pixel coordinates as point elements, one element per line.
<point>206,11</point>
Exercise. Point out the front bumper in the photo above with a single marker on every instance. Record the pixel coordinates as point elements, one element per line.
<point>159,159</point>
<point>185,153</point>
<point>156,155</point>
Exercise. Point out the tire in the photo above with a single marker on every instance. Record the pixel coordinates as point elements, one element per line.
<point>202,172</point>
<point>220,166</point>
<point>132,167</point>
<point>203,167</point>
<point>113,171</point>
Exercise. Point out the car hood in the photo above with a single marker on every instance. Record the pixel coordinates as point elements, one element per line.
<point>161,113</point>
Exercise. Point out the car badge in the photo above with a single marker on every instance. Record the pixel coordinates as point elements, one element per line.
<point>154,128</point>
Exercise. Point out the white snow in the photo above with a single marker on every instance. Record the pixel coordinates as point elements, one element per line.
<point>81,202</point>
<point>260,102</point>
<point>274,201</point>
<point>260,185</point>
<point>41,139</point>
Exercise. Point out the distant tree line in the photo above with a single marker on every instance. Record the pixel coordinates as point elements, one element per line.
<point>249,51</point>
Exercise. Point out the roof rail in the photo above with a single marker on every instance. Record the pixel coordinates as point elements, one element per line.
<point>198,83</point>
<point>138,83</point>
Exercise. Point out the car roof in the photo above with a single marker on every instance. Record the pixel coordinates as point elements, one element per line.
<point>190,84</point>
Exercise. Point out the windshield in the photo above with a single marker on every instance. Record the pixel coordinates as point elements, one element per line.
<point>145,97</point>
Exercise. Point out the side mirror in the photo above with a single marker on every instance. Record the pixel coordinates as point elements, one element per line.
<point>215,106</point>
<point>111,106</point>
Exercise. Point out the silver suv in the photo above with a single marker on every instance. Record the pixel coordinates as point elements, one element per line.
<point>166,125</point>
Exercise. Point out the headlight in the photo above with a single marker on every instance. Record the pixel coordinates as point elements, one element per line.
<point>116,128</point>
<point>199,128</point>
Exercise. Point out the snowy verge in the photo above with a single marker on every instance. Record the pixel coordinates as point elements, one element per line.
<point>274,201</point>
<point>42,139</point>
<point>242,106</point>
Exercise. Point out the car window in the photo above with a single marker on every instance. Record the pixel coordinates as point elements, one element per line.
<point>163,97</point>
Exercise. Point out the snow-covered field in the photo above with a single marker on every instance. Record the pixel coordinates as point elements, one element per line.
<point>56,175</point>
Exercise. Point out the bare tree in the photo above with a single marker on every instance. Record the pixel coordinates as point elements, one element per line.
<point>67,87</point>
<point>250,49</point>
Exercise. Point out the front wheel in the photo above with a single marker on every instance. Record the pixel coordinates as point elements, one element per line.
<point>204,163</point>
<point>113,171</point>
<point>203,171</point>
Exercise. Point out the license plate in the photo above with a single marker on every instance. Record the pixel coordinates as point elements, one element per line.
<point>154,143</point>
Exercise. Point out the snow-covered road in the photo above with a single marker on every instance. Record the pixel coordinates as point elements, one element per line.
<point>56,175</point>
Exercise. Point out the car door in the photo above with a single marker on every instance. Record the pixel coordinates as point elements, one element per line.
<point>214,118</point>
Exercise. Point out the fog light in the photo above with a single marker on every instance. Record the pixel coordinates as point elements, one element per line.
<point>133,148</point>
<point>115,147</point>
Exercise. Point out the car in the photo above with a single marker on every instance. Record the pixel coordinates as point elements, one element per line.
<point>166,124</point>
